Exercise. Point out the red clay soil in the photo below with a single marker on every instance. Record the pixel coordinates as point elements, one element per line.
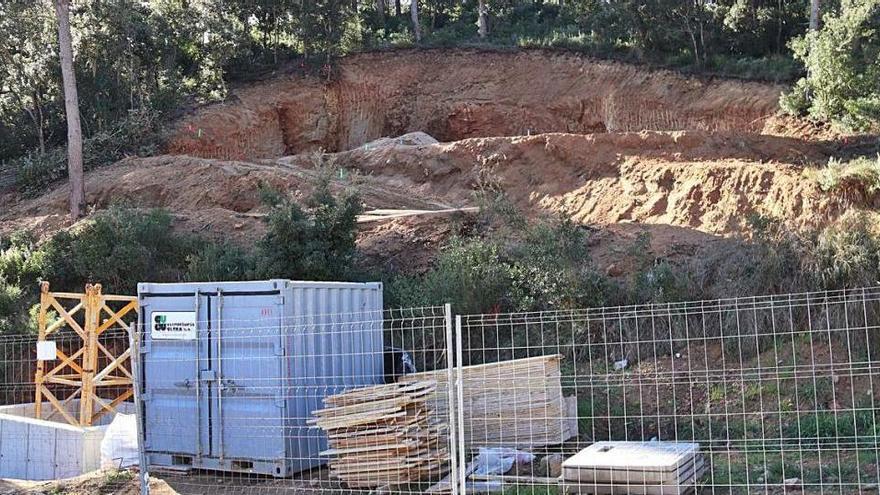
<point>459,94</point>
<point>704,181</point>
<point>557,133</point>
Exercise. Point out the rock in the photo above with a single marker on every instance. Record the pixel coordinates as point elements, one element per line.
<point>620,365</point>
<point>410,139</point>
<point>791,482</point>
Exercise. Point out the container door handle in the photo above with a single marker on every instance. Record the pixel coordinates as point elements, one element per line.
<point>183,384</point>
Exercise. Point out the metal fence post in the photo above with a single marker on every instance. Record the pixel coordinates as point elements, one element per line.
<point>451,402</point>
<point>134,345</point>
<point>459,389</point>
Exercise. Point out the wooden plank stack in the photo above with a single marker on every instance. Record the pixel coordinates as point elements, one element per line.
<point>386,435</point>
<point>515,403</point>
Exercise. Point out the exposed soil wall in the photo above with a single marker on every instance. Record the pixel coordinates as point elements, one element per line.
<point>707,182</point>
<point>459,94</point>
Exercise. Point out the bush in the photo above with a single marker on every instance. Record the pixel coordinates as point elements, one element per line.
<point>118,248</point>
<point>544,266</point>
<point>135,135</point>
<point>217,262</point>
<point>843,68</point>
<point>857,180</point>
<point>20,266</point>
<point>472,275</point>
<point>844,254</point>
<point>312,243</point>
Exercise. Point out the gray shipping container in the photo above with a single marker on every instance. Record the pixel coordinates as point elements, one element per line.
<point>233,370</point>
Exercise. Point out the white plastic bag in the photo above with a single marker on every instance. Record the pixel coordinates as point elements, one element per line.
<point>119,447</point>
<point>499,460</point>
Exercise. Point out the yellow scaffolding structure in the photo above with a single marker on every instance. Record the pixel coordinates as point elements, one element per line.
<point>80,370</point>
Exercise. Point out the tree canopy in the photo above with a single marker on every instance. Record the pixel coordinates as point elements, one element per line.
<point>156,54</point>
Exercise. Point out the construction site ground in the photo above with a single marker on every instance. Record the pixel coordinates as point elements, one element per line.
<point>620,148</point>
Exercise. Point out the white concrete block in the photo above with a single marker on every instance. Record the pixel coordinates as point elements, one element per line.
<point>40,452</point>
<point>13,449</point>
<point>38,449</point>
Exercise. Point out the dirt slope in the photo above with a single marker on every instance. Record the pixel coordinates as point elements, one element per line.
<point>615,146</point>
<point>707,182</point>
<point>458,94</point>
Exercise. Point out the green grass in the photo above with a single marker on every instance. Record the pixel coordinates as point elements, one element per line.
<point>861,176</point>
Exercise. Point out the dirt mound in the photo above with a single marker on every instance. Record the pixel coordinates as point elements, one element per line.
<point>555,132</point>
<point>686,188</point>
<point>705,181</point>
<point>211,197</point>
<point>459,94</point>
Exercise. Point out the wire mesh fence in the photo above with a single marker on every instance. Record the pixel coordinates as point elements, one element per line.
<point>297,404</point>
<point>777,393</point>
<point>773,394</point>
<point>52,448</point>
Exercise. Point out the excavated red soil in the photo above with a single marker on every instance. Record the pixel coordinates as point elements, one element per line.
<point>619,147</point>
<point>705,181</point>
<point>461,94</point>
<point>687,188</point>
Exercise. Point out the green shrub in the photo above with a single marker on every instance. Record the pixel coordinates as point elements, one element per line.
<point>12,318</point>
<point>118,248</point>
<point>775,68</point>
<point>857,180</point>
<point>313,243</point>
<point>843,254</point>
<point>472,275</point>
<point>846,254</point>
<point>135,135</point>
<point>217,262</point>
<point>20,266</point>
<point>544,265</point>
<point>843,68</point>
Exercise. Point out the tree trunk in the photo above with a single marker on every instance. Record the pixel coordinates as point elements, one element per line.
<point>41,125</point>
<point>398,10</point>
<point>414,13</point>
<point>483,19</point>
<point>380,7</point>
<point>815,15</point>
<point>71,109</point>
<point>780,15</point>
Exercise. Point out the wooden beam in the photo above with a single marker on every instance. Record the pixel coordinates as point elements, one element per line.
<point>66,361</point>
<point>86,378</point>
<point>68,318</point>
<point>105,408</point>
<point>115,317</point>
<point>58,407</point>
<point>116,363</point>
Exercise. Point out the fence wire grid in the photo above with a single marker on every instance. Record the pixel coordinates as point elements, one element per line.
<point>770,394</point>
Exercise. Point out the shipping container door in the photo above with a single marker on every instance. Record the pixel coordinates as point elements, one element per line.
<point>177,374</point>
<point>248,349</point>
